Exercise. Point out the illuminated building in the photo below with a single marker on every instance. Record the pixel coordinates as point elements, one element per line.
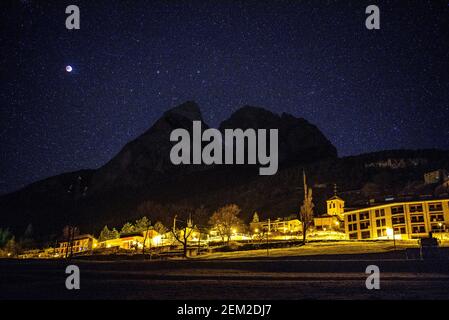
<point>285,225</point>
<point>403,220</point>
<point>127,242</point>
<point>334,218</point>
<point>437,176</point>
<point>152,238</point>
<point>81,243</point>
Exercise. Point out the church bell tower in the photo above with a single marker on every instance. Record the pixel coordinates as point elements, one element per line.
<point>335,205</point>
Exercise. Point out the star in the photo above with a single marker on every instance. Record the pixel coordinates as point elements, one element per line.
<point>314,64</point>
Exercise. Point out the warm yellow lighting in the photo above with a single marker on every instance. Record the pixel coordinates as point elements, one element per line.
<point>390,232</point>
<point>337,223</point>
<point>234,231</point>
<point>157,240</point>
<point>256,230</point>
<point>440,224</point>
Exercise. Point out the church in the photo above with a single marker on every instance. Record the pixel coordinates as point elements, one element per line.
<point>411,219</point>
<point>334,218</point>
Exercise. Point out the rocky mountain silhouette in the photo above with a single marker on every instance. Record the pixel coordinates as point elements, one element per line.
<point>141,180</point>
<point>299,140</point>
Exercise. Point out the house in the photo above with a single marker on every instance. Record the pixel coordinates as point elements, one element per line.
<point>327,222</point>
<point>152,238</point>
<point>286,225</point>
<point>436,176</point>
<point>127,242</point>
<point>81,243</point>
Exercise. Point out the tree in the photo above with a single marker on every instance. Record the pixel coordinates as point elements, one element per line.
<point>27,241</point>
<point>5,235</point>
<point>225,220</point>
<point>306,211</point>
<point>255,217</point>
<point>159,228</point>
<point>127,228</point>
<point>183,233</point>
<point>69,233</point>
<point>143,225</point>
<point>107,234</point>
<point>114,234</point>
<point>12,247</point>
<point>104,234</point>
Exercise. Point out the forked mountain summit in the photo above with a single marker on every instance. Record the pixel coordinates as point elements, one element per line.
<point>141,180</point>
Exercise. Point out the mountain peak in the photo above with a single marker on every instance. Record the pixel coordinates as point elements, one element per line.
<point>299,140</point>
<point>188,109</point>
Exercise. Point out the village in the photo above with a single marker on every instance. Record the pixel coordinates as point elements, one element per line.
<point>396,221</point>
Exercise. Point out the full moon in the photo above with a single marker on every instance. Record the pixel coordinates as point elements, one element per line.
<point>68,69</point>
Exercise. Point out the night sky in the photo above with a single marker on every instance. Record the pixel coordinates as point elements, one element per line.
<point>133,60</point>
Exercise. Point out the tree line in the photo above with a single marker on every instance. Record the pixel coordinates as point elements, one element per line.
<point>225,221</point>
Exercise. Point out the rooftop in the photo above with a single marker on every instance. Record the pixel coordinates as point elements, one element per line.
<point>396,201</point>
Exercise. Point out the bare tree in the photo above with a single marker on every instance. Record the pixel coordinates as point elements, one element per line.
<point>306,212</point>
<point>182,234</point>
<point>69,234</point>
<point>225,219</point>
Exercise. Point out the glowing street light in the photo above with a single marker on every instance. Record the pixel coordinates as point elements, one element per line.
<point>389,232</point>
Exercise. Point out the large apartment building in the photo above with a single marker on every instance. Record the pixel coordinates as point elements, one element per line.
<point>403,220</point>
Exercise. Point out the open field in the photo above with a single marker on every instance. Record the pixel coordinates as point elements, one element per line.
<point>295,273</point>
<point>321,250</point>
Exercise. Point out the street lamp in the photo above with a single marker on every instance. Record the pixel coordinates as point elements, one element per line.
<point>234,231</point>
<point>337,225</point>
<point>390,232</point>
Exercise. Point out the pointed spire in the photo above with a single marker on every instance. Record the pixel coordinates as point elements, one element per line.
<point>335,189</point>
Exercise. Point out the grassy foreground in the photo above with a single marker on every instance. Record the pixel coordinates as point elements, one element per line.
<point>317,249</point>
